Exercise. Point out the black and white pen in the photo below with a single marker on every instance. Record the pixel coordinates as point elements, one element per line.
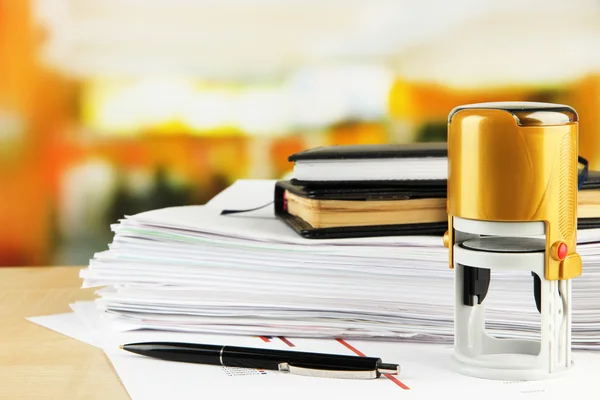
<point>295,362</point>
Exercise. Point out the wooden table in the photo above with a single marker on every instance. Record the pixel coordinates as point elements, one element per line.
<point>37,363</point>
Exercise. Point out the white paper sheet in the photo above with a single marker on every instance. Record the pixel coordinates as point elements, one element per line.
<point>427,370</point>
<point>206,224</point>
<point>68,324</point>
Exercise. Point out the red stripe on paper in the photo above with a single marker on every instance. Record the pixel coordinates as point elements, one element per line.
<point>351,348</point>
<point>396,381</point>
<point>264,338</point>
<point>284,340</point>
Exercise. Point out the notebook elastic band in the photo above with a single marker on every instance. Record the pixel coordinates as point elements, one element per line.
<point>226,212</point>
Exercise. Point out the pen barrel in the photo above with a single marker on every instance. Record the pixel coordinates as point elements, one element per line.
<point>189,353</point>
<point>270,359</point>
<point>243,357</point>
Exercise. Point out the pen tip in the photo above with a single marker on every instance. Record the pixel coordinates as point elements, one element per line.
<point>121,347</point>
<point>392,369</point>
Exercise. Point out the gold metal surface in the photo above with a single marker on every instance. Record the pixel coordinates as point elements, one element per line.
<point>571,266</point>
<point>502,168</point>
<point>446,239</point>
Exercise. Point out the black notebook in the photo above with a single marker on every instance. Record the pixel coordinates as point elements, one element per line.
<point>406,208</point>
<point>306,210</point>
<point>372,165</point>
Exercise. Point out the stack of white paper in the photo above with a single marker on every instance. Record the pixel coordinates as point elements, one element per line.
<point>191,269</point>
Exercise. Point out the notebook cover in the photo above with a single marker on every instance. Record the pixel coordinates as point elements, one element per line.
<point>371,184</point>
<point>592,182</point>
<point>306,230</point>
<point>373,151</point>
<point>404,191</point>
<point>588,223</point>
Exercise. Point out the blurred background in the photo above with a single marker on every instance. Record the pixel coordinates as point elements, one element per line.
<point>113,108</point>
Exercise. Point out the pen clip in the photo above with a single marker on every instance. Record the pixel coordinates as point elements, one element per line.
<point>326,373</point>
